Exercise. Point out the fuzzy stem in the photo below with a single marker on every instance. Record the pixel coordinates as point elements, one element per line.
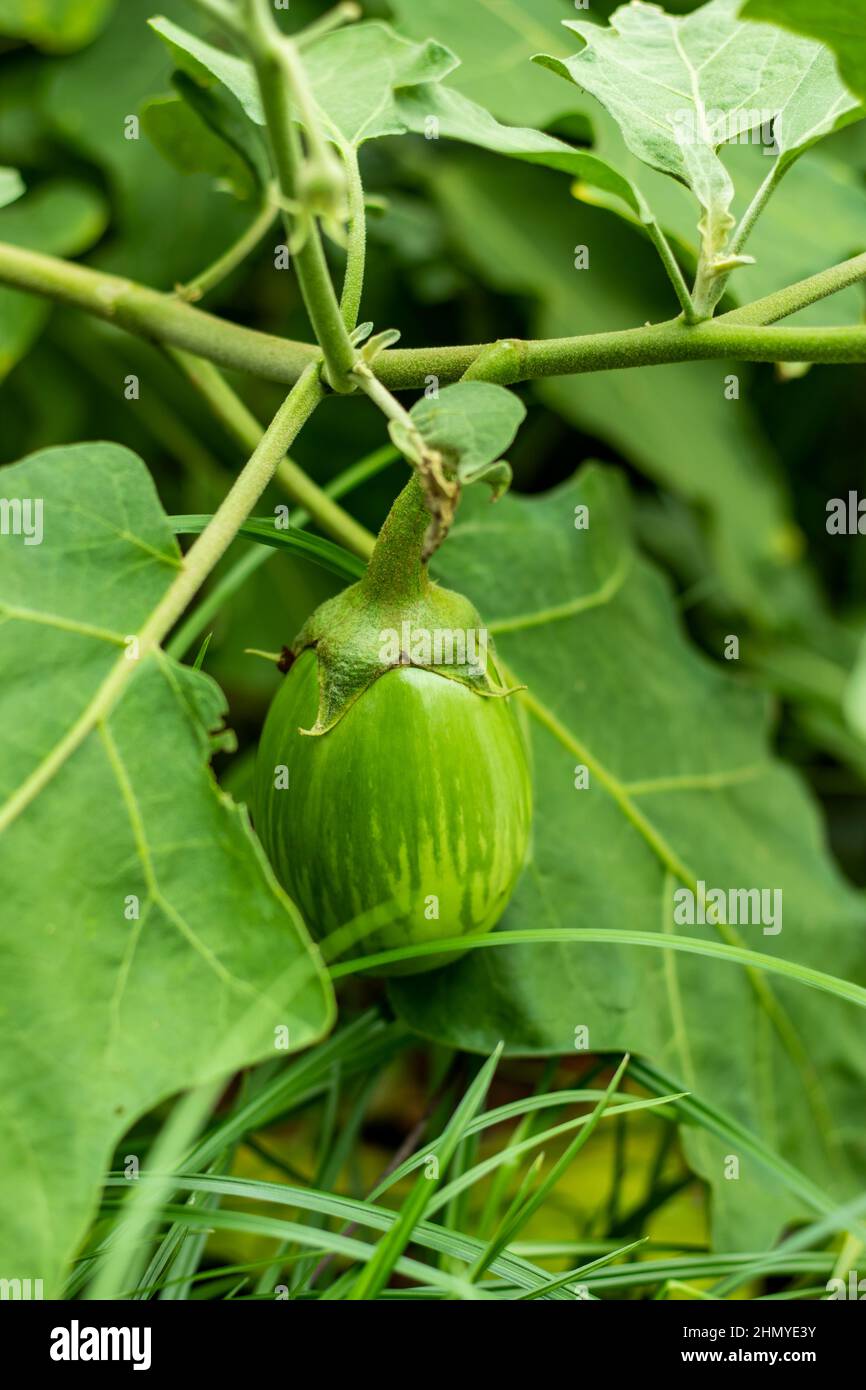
<point>672,266</point>
<point>353,282</point>
<point>747,225</point>
<point>214,274</point>
<point>397,568</point>
<point>345,13</point>
<point>282,82</point>
<point>163,318</point>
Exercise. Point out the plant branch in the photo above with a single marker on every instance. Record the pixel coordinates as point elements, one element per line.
<point>243,427</point>
<point>163,318</point>
<point>440,494</point>
<point>197,565</point>
<point>344,13</point>
<point>155,316</point>
<point>672,266</point>
<point>795,297</point>
<point>282,81</point>
<point>236,254</point>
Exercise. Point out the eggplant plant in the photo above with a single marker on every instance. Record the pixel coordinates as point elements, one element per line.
<point>539,779</point>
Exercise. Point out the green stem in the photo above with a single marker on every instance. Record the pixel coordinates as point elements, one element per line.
<point>356,257</point>
<point>282,80</point>
<point>345,13</point>
<point>257,555</point>
<point>388,404</point>
<point>197,565</point>
<point>154,316</point>
<point>229,261</point>
<point>163,318</point>
<point>441,494</point>
<point>243,426</point>
<point>672,266</point>
<point>757,205</point>
<point>747,226</point>
<point>398,567</point>
<point>796,297</point>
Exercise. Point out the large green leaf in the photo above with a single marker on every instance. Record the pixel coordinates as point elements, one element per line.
<point>681,88</point>
<point>60,217</point>
<point>145,941</point>
<point>459,118</point>
<point>682,787</point>
<point>183,138</point>
<point>841,24</point>
<point>353,73</point>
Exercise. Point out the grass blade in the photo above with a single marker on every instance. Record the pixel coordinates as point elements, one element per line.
<point>378,1271</point>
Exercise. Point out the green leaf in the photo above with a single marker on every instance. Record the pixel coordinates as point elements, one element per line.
<point>682,787</point>
<point>11,186</point>
<point>204,61</point>
<point>175,129</point>
<point>840,24</point>
<point>219,111</point>
<point>428,1235</point>
<point>137,939</point>
<point>470,424</point>
<point>788,242</point>
<point>55,25</point>
<point>458,118</point>
<point>680,88</point>
<point>353,73</point>
<point>494,43</point>
<point>62,218</point>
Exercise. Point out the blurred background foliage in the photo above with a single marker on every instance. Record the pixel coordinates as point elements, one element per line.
<point>731,494</point>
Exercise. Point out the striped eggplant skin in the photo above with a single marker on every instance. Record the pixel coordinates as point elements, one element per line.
<point>417,801</point>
